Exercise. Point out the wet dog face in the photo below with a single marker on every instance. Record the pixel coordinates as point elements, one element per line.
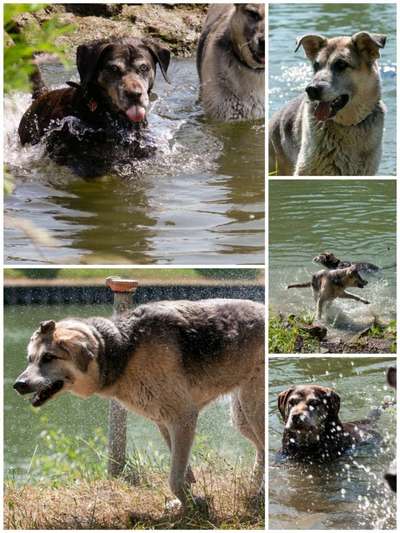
<point>353,278</point>
<point>61,358</point>
<point>124,72</point>
<point>305,409</point>
<point>346,80</point>
<point>248,34</point>
<point>327,259</point>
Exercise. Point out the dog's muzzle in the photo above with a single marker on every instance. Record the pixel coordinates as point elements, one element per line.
<point>41,395</point>
<point>324,110</point>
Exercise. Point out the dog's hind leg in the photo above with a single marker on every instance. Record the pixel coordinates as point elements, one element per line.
<point>241,422</point>
<point>350,296</point>
<point>165,433</point>
<point>181,431</point>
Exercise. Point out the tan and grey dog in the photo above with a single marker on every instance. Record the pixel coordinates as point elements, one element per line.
<point>336,128</point>
<point>165,361</point>
<point>231,62</point>
<point>330,284</point>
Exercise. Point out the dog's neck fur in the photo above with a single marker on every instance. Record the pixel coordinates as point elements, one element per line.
<point>114,349</point>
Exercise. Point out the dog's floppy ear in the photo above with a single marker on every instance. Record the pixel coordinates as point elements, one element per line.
<point>333,403</point>
<point>369,44</point>
<point>79,350</point>
<point>312,44</point>
<point>47,327</point>
<point>282,401</point>
<point>87,60</point>
<point>161,55</point>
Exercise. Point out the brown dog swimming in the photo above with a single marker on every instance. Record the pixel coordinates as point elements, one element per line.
<point>90,125</point>
<point>313,430</point>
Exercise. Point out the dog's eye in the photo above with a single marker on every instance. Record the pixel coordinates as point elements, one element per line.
<point>47,357</point>
<point>115,69</point>
<point>253,15</point>
<point>340,64</point>
<point>314,403</point>
<point>293,401</point>
<point>316,66</point>
<point>144,68</point>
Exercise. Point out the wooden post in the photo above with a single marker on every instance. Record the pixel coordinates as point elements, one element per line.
<point>123,291</point>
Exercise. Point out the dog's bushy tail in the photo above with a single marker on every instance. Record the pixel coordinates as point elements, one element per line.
<point>36,79</point>
<point>299,285</point>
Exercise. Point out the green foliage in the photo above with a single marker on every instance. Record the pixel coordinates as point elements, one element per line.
<point>285,333</point>
<point>61,458</point>
<point>21,45</point>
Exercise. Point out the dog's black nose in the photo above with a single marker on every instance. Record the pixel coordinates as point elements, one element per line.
<point>22,387</point>
<point>314,92</point>
<point>296,419</point>
<point>134,94</point>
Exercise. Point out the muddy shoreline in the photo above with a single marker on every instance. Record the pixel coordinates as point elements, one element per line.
<point>298,334</point>
<point>176,25</point>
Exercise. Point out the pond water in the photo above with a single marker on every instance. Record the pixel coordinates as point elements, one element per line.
<point>200,200</point>
<point>80,418</point>
<point>354,219</point>
<point>289,72</point>
<point>348,493</point>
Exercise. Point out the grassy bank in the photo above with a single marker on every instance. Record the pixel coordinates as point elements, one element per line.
<point>298,334</point>
<point>114,504</point>
<point>65,486</point>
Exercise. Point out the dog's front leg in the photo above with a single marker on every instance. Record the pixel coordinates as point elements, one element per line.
<point>319,308</point>
<point>165,433</point>
<point>181,431</point>
<point>350,296</point>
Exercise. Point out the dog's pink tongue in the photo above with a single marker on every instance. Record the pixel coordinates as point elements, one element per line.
<point>136,113</point>
<point>322,111</point>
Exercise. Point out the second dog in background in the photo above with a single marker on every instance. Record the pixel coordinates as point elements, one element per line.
<point>231,62</point>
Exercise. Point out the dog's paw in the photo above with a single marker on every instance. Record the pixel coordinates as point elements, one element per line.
<point>174,506</point>
<point>367,302</point>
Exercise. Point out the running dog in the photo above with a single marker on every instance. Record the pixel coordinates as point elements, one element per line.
<point>165,361</point>
<point>231,62</point>
<point>331,262</point>
<point>313,430</point>
<point>330,284</point>
<point>90,125</point>
<point>336,127</point>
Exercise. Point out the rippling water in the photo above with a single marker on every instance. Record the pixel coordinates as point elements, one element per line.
<point>290,72</point>
<point>349,493</point>
<point>199,200</point>
<point>354,219</point>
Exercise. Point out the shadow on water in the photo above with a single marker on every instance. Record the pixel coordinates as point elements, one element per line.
<point>348,493</point>
<point>199,199</point>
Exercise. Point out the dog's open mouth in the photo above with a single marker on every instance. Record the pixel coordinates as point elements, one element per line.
<point>258,55</point>
<point>326,110</point>
<point>361,282</point>
<point>41,396</point>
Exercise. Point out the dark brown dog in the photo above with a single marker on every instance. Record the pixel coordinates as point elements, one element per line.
<point>90,125</point>
<point>330,261</point>
<point>313,430</point>
<point>391,474</point>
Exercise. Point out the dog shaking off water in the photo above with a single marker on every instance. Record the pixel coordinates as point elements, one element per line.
<point>165,361</point>
<point>330,284</point>
<point>336,128</point>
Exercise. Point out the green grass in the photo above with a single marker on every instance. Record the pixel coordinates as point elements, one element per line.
<point>285,333</point>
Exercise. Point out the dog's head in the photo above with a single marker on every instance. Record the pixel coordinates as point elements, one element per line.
<point>248,34</point>
<point>306,409</point>
<point>352,277</point>
<point>327,259</point>
<point>61,358</point>
<point>346,84</point>
<point>123,72</point>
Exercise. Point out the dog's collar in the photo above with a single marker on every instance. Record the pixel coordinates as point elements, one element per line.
<point>243,63</point>
<point>91,103</point>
